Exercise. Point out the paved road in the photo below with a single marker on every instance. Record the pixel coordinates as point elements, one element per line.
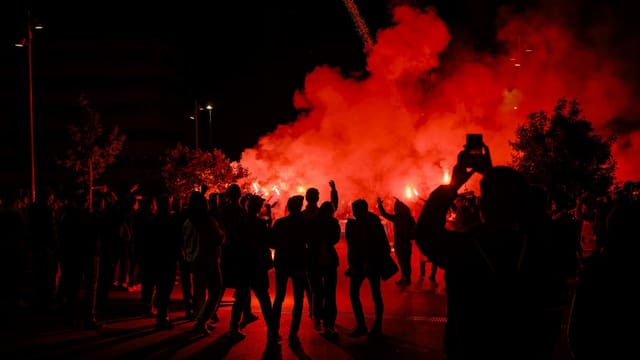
<point>413,326</point>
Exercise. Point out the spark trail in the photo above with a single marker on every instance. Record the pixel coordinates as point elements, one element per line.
<point>361,25</point>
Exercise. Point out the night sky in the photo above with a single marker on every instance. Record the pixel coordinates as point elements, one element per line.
<point>248,59</point>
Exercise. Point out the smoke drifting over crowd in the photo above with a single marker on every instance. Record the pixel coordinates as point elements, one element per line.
<point>401,126</point>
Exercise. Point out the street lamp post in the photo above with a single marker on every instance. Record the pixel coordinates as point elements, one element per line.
<point>195,119</point>
<point>27,42</point>
<point>210,108</point>
<point>33,162</point>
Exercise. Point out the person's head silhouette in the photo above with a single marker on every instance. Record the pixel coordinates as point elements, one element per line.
<point>326,209</point>
<point>312,196</point>
<point>254,204</point>
<point>359,208</point>
<point>401,208</point>
<point>197,202</point>
<point>294,204</point>
<point>504,197</point>
<point>233,193</point>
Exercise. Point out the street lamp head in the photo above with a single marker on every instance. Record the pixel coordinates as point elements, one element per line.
<point>38,27</point>
<point>209,107</point>
<point>21,43</point>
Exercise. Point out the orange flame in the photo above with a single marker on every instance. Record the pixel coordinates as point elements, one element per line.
<point>446,178</point>
<point>410,192</point>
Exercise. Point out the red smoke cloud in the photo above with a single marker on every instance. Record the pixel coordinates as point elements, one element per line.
<point>404,124</point>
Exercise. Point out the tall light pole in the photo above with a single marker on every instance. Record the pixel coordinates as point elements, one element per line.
<point>210,108</point>
<point>195,119</point>
<point>27,42</point>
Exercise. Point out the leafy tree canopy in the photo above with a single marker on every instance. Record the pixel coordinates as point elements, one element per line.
<point>92,148</point>
<point>561,152</point>
<point>185,170</point>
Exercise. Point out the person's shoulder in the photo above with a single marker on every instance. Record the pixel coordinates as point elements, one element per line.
<point>373,217</point>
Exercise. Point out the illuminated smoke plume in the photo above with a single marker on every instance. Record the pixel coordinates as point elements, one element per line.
<point>397,132</point>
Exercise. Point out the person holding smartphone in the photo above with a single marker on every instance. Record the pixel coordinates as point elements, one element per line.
<point>499,273</point>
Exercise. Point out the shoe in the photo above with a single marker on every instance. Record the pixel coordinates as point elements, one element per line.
<point>210,325</point>
<point>330,333</point>
<point>294,340</point>
<point>359,331</point>
<point>374,334</point>
<point>317,324</point>
<point>201,328</point>
<point>214,318</point>
<point>235,335</point>
<point>248,319</point>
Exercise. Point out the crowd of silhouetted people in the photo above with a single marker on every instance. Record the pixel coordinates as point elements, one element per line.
<point>520,265</point>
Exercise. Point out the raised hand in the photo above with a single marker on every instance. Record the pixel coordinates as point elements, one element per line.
<point>460,175</point>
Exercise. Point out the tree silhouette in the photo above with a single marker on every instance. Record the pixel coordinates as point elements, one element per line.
<point>562,153</point>
<point>185,170</point>
<point>92,149</point>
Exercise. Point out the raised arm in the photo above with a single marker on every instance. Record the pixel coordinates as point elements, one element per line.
<point>383,212</point>
<point>334,195</point>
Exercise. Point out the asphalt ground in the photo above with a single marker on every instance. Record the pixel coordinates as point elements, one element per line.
<point>413,325</point>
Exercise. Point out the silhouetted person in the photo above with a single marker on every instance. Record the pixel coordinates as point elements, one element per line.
<point>323,267</point>
<point>184,267</point>
<point>144,252</point>
<point>497,273</point>
<point>106,214</point>
<point>605,295</point>
<point>367,246</point>
<point>13,252</point>
<point>123,247</point>
<point>312,197</point>
<point>203,238</point>
<point>43,247</point>
<point>288,241</point>
<point>252,259</point>
<point>403,233</point>
<point>165,234</point>
<point>236,273</point>
<point>80,261</point>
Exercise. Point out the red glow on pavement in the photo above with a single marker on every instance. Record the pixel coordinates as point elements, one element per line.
<point>406,122</point>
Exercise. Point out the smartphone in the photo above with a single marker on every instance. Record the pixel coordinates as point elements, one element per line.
<point>474,143</point>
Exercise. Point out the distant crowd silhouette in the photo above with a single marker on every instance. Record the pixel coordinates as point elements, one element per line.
<point>520,264</point>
